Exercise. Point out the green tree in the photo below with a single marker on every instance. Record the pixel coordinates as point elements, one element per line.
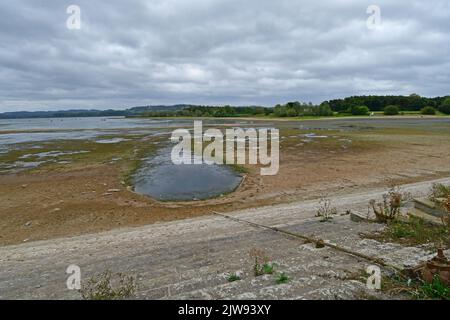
<point>445,106</point>
<point>359,110</point>
<point>323,110</point>
<point>391,110</point>
<point>428,111</point>
<point>291,112</point>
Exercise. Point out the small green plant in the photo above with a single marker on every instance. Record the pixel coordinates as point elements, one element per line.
<point>435,290</point>
<point>234,277</point>
<point>325,211</point>
<point>269,268</point>
<point>282,278</point>
<point>102,287</point>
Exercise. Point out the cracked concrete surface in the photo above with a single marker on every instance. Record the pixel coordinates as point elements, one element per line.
<point>191,259</point>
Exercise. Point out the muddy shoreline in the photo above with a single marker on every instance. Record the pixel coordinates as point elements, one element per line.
<point>89,195</point>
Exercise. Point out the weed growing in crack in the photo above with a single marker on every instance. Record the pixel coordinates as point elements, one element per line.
<point>282,278</point>
<point>325,211</point>
<point>234,277</point>
<point>390,207</point>
<point>268,268</point>
<point>259,259</point>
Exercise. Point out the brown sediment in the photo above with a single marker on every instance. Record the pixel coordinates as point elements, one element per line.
<point>82,197</point>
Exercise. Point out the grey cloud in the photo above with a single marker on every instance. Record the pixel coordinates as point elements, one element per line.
<point>218,51</point>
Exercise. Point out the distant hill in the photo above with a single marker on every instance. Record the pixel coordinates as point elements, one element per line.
<point>90,113</point>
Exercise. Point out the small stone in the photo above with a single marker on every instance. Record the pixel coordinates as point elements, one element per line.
<point>24,185</point>
<point>56,210</point>
<point>107,194</point>
<point>114,190</point>
<point>28,224</point>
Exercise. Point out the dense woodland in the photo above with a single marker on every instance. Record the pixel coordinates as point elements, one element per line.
<point>412,102</point>
<point>357,105</point>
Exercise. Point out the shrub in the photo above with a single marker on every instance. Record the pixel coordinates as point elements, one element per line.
<point>428,111</point>
<point>391,111</point>
<point>359,110</point>
<point>445,106</point>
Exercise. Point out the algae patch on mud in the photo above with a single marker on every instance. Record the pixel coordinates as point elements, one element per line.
<point>65,155</point>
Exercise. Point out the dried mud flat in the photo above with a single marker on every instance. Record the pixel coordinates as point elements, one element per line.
<point>89,197</point>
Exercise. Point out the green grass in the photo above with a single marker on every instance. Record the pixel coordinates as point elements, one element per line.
<point>415,231</point>
<point>415,288</point>
<point>129,152</point>
<point>239,168</point>
<point>435,290</point>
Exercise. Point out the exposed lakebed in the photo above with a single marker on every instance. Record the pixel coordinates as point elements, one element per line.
<point>30,143</point>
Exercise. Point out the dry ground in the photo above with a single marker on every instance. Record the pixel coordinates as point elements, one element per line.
<point>72,200</point>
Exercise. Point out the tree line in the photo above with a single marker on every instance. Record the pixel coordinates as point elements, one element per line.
<point>412,102</point>
<point>356,105</point>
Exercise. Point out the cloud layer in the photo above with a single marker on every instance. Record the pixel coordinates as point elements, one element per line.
<point>142,52</point>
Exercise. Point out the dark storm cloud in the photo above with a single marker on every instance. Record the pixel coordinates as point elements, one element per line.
<point>218,51</point>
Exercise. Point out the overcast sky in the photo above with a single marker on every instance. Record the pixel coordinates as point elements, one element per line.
<point>142,52</point>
